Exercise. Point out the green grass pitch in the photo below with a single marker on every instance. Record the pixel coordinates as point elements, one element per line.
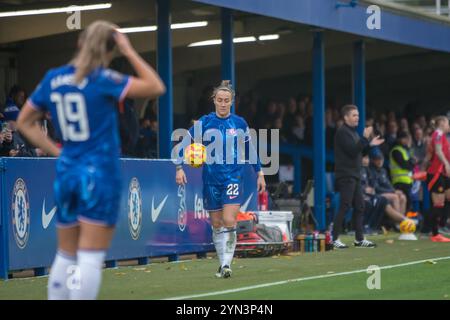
<point>424,280</point>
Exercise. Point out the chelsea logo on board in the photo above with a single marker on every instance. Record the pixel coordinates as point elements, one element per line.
<point>134,209</point>
<point>20,209</point>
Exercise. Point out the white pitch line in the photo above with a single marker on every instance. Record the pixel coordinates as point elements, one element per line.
<point>270,284</point>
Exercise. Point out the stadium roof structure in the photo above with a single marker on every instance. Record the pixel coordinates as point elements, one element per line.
<point>399,23</point>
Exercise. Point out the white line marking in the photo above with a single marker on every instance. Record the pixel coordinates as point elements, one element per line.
<point>264,285</point>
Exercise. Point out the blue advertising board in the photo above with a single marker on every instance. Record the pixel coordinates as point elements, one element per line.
<point>157,217</point>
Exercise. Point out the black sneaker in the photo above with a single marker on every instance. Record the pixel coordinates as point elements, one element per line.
<point>226,272</point>
<point>364,244</point>
<point>337,244</point>
<point>219,272</point>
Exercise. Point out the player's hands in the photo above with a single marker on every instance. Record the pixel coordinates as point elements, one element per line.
<point>368,132</point>
<point>261,183</point>
<point>376,141</point>
<point>180,177</point>
<point>123,43</point>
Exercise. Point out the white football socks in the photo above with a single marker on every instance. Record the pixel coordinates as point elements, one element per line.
<point>229,242</point>
<point>90,264</point>
<point>58,288</point>
<point>218,241</point>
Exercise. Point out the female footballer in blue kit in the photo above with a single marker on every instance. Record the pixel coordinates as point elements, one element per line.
<point>222,182</point>
<point>83,97</point>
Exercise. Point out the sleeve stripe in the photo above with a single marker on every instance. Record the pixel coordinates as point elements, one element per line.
<point>125,90</point>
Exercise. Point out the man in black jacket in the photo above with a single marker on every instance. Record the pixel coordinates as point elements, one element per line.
<point>349,148</point>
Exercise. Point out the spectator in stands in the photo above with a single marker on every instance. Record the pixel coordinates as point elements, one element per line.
<point>298,130</point>
<point>147,142</point>
<point>401,165</point>
<point>382,183</point>
<point>6,139</point>
<point>404,125</point>
<point>16,97</point>
<point>419,146</point>
<point>330,129</point>
<point>422,121</point>
<point>19,147</point>
<point>391,136</point>
<point>302,106</point>
<point>129,128</point>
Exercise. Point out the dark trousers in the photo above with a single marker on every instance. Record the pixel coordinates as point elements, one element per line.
<point>351,197</point>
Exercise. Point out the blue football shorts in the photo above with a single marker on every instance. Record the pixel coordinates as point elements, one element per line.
<point>215,197</point>
<point>89,194</point>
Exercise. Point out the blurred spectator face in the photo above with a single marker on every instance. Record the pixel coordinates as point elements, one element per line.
<point>391,116</point>
<point>154,125</point>
<point>339,123</point>
<point>381,128</point>
<point>292,106</point>
<point>329,118</point>
<point>19,99</point>
<point>378,162</point>
<point>370,122</point>
<point>365,161</point>
<point>278,124</point>
<point>302,107</point>
<point>271,107</point>
<point>299,122</point>
<point>383,118</point>
<point>392,127</point>
<point>406,141</point>
<point>309,109</point>
<point>418,134</point>
<point>415,126</point>
<point>146,123</point>
<point>281,109</point>
<point>422,120</point>
<point>404,125</point>
<point>336,116</point>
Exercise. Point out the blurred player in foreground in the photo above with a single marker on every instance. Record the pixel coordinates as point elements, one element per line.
<point>83,97</point>
<point>222,181</point>
<point>439,178</point>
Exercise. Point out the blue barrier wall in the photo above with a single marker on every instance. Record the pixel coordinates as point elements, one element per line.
<point>157,217</point>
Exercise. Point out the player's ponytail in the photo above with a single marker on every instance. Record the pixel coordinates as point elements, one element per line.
<point>96,44</point>
<point>225,85</point>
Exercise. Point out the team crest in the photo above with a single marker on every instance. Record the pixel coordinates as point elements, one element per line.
<point>134,209</point>
<point>182,214</point>
<point>20,209</point>
<point>232,132</point>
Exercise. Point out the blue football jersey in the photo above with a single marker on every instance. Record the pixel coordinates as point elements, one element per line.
<point>85,115</point>
<point>228,163</point>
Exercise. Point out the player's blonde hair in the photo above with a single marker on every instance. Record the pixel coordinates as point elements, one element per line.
<point>436,122</point>
<point>96,45</point>
<point>224,86</point>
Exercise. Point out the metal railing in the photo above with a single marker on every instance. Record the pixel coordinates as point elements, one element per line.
<point>439,7</point>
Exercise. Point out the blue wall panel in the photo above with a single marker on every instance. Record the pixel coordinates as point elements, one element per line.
<point>174,231</point>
